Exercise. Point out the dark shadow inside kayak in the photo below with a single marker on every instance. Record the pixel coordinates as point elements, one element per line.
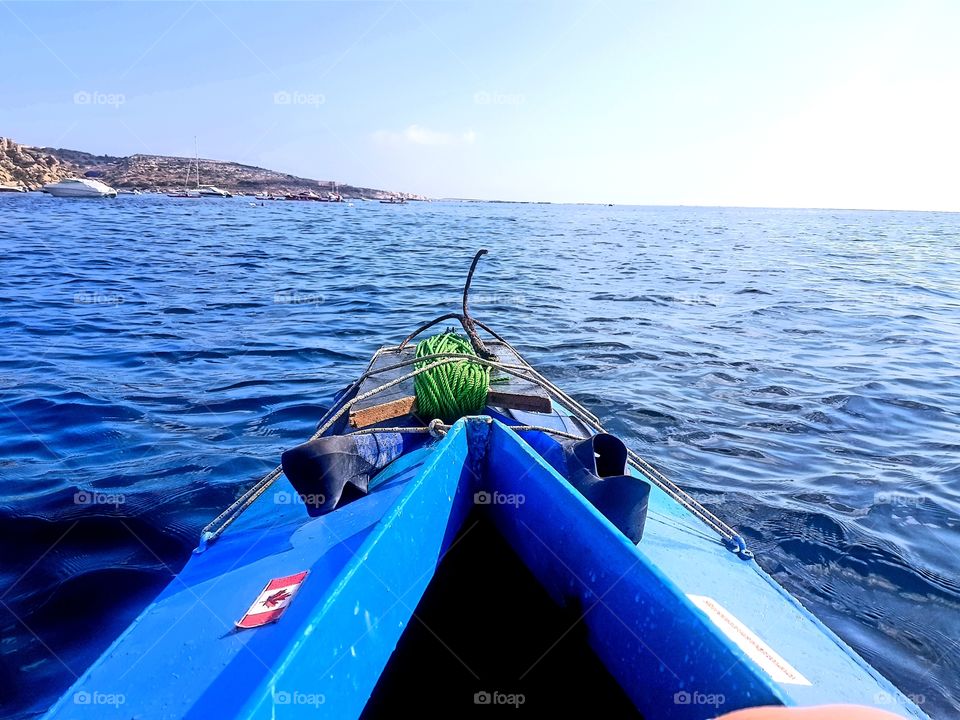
<point>486,635</point>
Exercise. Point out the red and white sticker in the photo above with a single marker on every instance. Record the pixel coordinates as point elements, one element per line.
<point>272,601</point>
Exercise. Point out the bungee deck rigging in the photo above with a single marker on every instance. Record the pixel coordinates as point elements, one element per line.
<point>428,362</point>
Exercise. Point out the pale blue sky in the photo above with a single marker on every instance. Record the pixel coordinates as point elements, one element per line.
<point>799,104</point>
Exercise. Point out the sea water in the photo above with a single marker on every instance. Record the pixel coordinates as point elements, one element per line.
<point>796,370</point>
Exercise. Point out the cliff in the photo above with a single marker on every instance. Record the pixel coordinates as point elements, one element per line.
<point>32,167</point>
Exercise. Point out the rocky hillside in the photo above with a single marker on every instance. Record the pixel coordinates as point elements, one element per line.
<point>29,167</point>
<point>32,167</point>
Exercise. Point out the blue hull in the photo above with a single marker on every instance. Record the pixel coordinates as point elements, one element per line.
<point>687,628</point>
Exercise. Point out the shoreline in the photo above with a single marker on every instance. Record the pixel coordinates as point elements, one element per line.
<point>32,167</point>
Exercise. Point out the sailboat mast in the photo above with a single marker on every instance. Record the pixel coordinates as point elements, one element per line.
<point>196,152</point>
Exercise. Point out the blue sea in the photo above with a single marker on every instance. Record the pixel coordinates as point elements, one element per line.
<point>796,370</point>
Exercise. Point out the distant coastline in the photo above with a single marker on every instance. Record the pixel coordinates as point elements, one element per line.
<point>32,167</point>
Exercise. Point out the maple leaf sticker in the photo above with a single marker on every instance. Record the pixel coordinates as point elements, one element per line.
<point>277,598</point>
<point>272,601</point>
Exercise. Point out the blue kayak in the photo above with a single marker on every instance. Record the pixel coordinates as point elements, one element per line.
<point>516,559</point>
<point>683,622</point>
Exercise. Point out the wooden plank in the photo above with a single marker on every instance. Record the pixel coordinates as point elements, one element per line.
<point>395,402</point>
<point>513,392</point>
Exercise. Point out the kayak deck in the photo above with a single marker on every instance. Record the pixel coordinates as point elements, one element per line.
<point>687,628</point>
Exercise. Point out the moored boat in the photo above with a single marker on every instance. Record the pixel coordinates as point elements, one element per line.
<point>79,188</point>
<point>303,595</point>
<point>198,191</point>
<point>212,191</point>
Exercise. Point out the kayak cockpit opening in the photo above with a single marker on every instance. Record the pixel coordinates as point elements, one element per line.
<point>499,645</point>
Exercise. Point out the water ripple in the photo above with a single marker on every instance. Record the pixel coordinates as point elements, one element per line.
<point>796,369</point>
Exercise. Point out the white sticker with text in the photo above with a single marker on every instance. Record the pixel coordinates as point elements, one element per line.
<point>745,639</point>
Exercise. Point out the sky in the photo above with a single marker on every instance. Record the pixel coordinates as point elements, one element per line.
<point>767,103</point>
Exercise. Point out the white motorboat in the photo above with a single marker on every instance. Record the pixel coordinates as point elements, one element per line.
<point>12,188</point>
<point>211,191</point>
<point>79,187</point>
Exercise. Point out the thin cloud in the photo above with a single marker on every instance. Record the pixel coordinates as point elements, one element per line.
<point>419,135</point>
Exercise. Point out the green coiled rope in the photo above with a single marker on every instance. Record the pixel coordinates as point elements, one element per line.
<point>452,390</point>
